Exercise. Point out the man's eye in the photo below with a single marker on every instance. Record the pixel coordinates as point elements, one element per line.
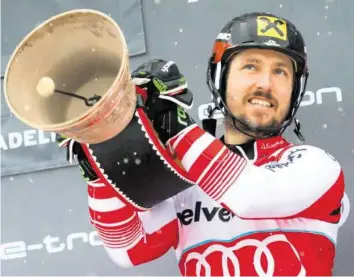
<point>249,66</point>
<point>280,71</point>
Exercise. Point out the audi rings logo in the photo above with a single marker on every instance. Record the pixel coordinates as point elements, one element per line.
<point>228,256</point>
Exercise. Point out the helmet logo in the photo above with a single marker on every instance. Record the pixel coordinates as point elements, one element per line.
<point>223,36</point>
<point>271,43</point>
<point>271,27</point>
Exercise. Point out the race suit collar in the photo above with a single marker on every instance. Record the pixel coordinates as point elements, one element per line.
<point>254,149</point>
<point>268,146</point>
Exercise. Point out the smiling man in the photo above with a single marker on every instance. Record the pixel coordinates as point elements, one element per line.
<point>258,204</point>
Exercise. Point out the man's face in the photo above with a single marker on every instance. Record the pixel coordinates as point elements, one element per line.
<point>259,87</point>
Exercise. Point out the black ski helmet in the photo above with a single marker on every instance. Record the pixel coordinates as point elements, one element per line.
<point>263,31</point>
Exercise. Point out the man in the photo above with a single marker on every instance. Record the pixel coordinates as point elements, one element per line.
<point>260,205</point>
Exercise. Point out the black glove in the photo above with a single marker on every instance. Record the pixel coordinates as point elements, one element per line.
<point>162,79</point>
<point>167,96</point>
<point>74,149</point>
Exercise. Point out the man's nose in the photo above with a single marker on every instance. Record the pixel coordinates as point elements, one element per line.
<point>264,82</point>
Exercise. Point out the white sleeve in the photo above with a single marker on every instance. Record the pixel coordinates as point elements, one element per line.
<point>283,188</point>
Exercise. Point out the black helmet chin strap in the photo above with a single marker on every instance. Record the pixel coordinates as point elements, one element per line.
<point>209,123</point>
<point>297,129</point>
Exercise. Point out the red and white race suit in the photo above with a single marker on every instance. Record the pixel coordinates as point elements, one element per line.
<point>274,215</point>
